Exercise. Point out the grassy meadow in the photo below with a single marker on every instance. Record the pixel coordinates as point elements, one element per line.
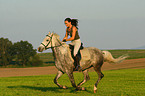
<point>126,82</point>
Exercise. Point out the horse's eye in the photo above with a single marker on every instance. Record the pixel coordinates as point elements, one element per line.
<point>47,40</point>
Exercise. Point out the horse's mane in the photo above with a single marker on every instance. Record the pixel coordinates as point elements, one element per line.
<point>56,35</point>
<point>67,50</point>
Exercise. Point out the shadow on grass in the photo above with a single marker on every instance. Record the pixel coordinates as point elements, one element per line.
<point>45,89</point>
<point>88,91</point>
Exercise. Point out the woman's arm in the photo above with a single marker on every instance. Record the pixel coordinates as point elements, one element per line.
<point>73,34</point>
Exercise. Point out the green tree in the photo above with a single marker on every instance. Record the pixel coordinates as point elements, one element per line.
<point>35,61</point>
<point>6,55</point>
<point>23,50</point>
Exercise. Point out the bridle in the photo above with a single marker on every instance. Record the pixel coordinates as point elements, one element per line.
<point>50,41</point>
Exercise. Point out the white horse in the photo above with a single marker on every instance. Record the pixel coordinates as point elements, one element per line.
<point>91,57</point>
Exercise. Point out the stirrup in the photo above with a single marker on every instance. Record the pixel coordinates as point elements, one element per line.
<point>78,68</point>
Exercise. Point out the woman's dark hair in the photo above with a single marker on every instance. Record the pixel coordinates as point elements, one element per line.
<point>68,19</point>
<point>74,22</point>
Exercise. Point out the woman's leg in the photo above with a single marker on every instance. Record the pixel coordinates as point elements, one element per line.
<point>77,44</point>
<point>76,58</point>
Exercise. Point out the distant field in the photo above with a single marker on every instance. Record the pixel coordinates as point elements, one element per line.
<point>48,60</point>
<point>128,82</point>
<point>134,54</point>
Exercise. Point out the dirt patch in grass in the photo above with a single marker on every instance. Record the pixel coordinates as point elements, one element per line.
<point>127,64</point>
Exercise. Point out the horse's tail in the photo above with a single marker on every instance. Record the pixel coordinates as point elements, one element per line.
<point>109,58</point>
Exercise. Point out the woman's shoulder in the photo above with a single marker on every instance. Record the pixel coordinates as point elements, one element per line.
<point>74,27</point>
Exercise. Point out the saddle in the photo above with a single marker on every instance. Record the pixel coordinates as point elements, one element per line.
<point>72,50</point>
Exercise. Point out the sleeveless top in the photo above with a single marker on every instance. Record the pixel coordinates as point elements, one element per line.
<point>70,33</point>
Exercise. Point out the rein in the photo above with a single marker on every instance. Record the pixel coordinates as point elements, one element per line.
<point>50,41</point>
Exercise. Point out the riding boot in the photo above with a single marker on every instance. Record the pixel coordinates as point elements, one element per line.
<point>77,63</point>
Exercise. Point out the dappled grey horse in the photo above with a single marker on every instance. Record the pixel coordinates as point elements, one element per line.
<point>90,57</point>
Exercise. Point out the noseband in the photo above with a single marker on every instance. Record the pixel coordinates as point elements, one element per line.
<point>50,41</point>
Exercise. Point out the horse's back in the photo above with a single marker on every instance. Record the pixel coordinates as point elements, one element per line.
<point>95,53</point>
<point>91,56</point>
<point>93,50</point>
<point>87,52</point>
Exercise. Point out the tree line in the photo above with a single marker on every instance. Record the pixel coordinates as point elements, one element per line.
<point>18,54</point>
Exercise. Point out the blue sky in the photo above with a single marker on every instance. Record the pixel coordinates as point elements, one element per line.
<point>105,24</point>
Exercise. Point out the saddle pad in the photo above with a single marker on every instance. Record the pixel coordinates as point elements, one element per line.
<point>85,55</point>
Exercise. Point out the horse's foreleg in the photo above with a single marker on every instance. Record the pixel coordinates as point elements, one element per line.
<point>71,77</point>
<point>86,78</point>
<point>59,74</point>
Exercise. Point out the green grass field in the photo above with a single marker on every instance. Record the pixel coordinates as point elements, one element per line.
<point>128,82</point>
<point>48,60</point>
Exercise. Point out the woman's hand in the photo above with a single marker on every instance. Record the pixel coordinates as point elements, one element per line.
<point>64,40</point>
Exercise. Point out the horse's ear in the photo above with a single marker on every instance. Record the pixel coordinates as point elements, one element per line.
<point>49,32</point>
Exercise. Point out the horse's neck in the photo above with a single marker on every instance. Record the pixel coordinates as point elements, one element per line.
<point>56,49</point>
<point>56,52</point>
<point>60,51</point>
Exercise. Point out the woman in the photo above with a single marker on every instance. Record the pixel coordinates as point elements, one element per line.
<point>72,31</point>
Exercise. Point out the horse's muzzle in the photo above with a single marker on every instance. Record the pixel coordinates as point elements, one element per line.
<point>40,49</point>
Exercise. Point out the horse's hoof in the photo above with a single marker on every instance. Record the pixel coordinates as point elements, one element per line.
<point>95,91</point>
<point>65,87</point>
<point>83,88</point>
<point>78,89</point>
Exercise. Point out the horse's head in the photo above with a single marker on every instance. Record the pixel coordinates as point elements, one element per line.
<point>51,40</point>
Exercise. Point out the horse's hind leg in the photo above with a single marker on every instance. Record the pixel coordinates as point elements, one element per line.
<point>86,78</point>
<point>100,76</point>
<point>59,74</point>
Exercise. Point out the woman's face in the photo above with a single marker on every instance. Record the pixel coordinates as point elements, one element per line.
<point>67,24</point>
